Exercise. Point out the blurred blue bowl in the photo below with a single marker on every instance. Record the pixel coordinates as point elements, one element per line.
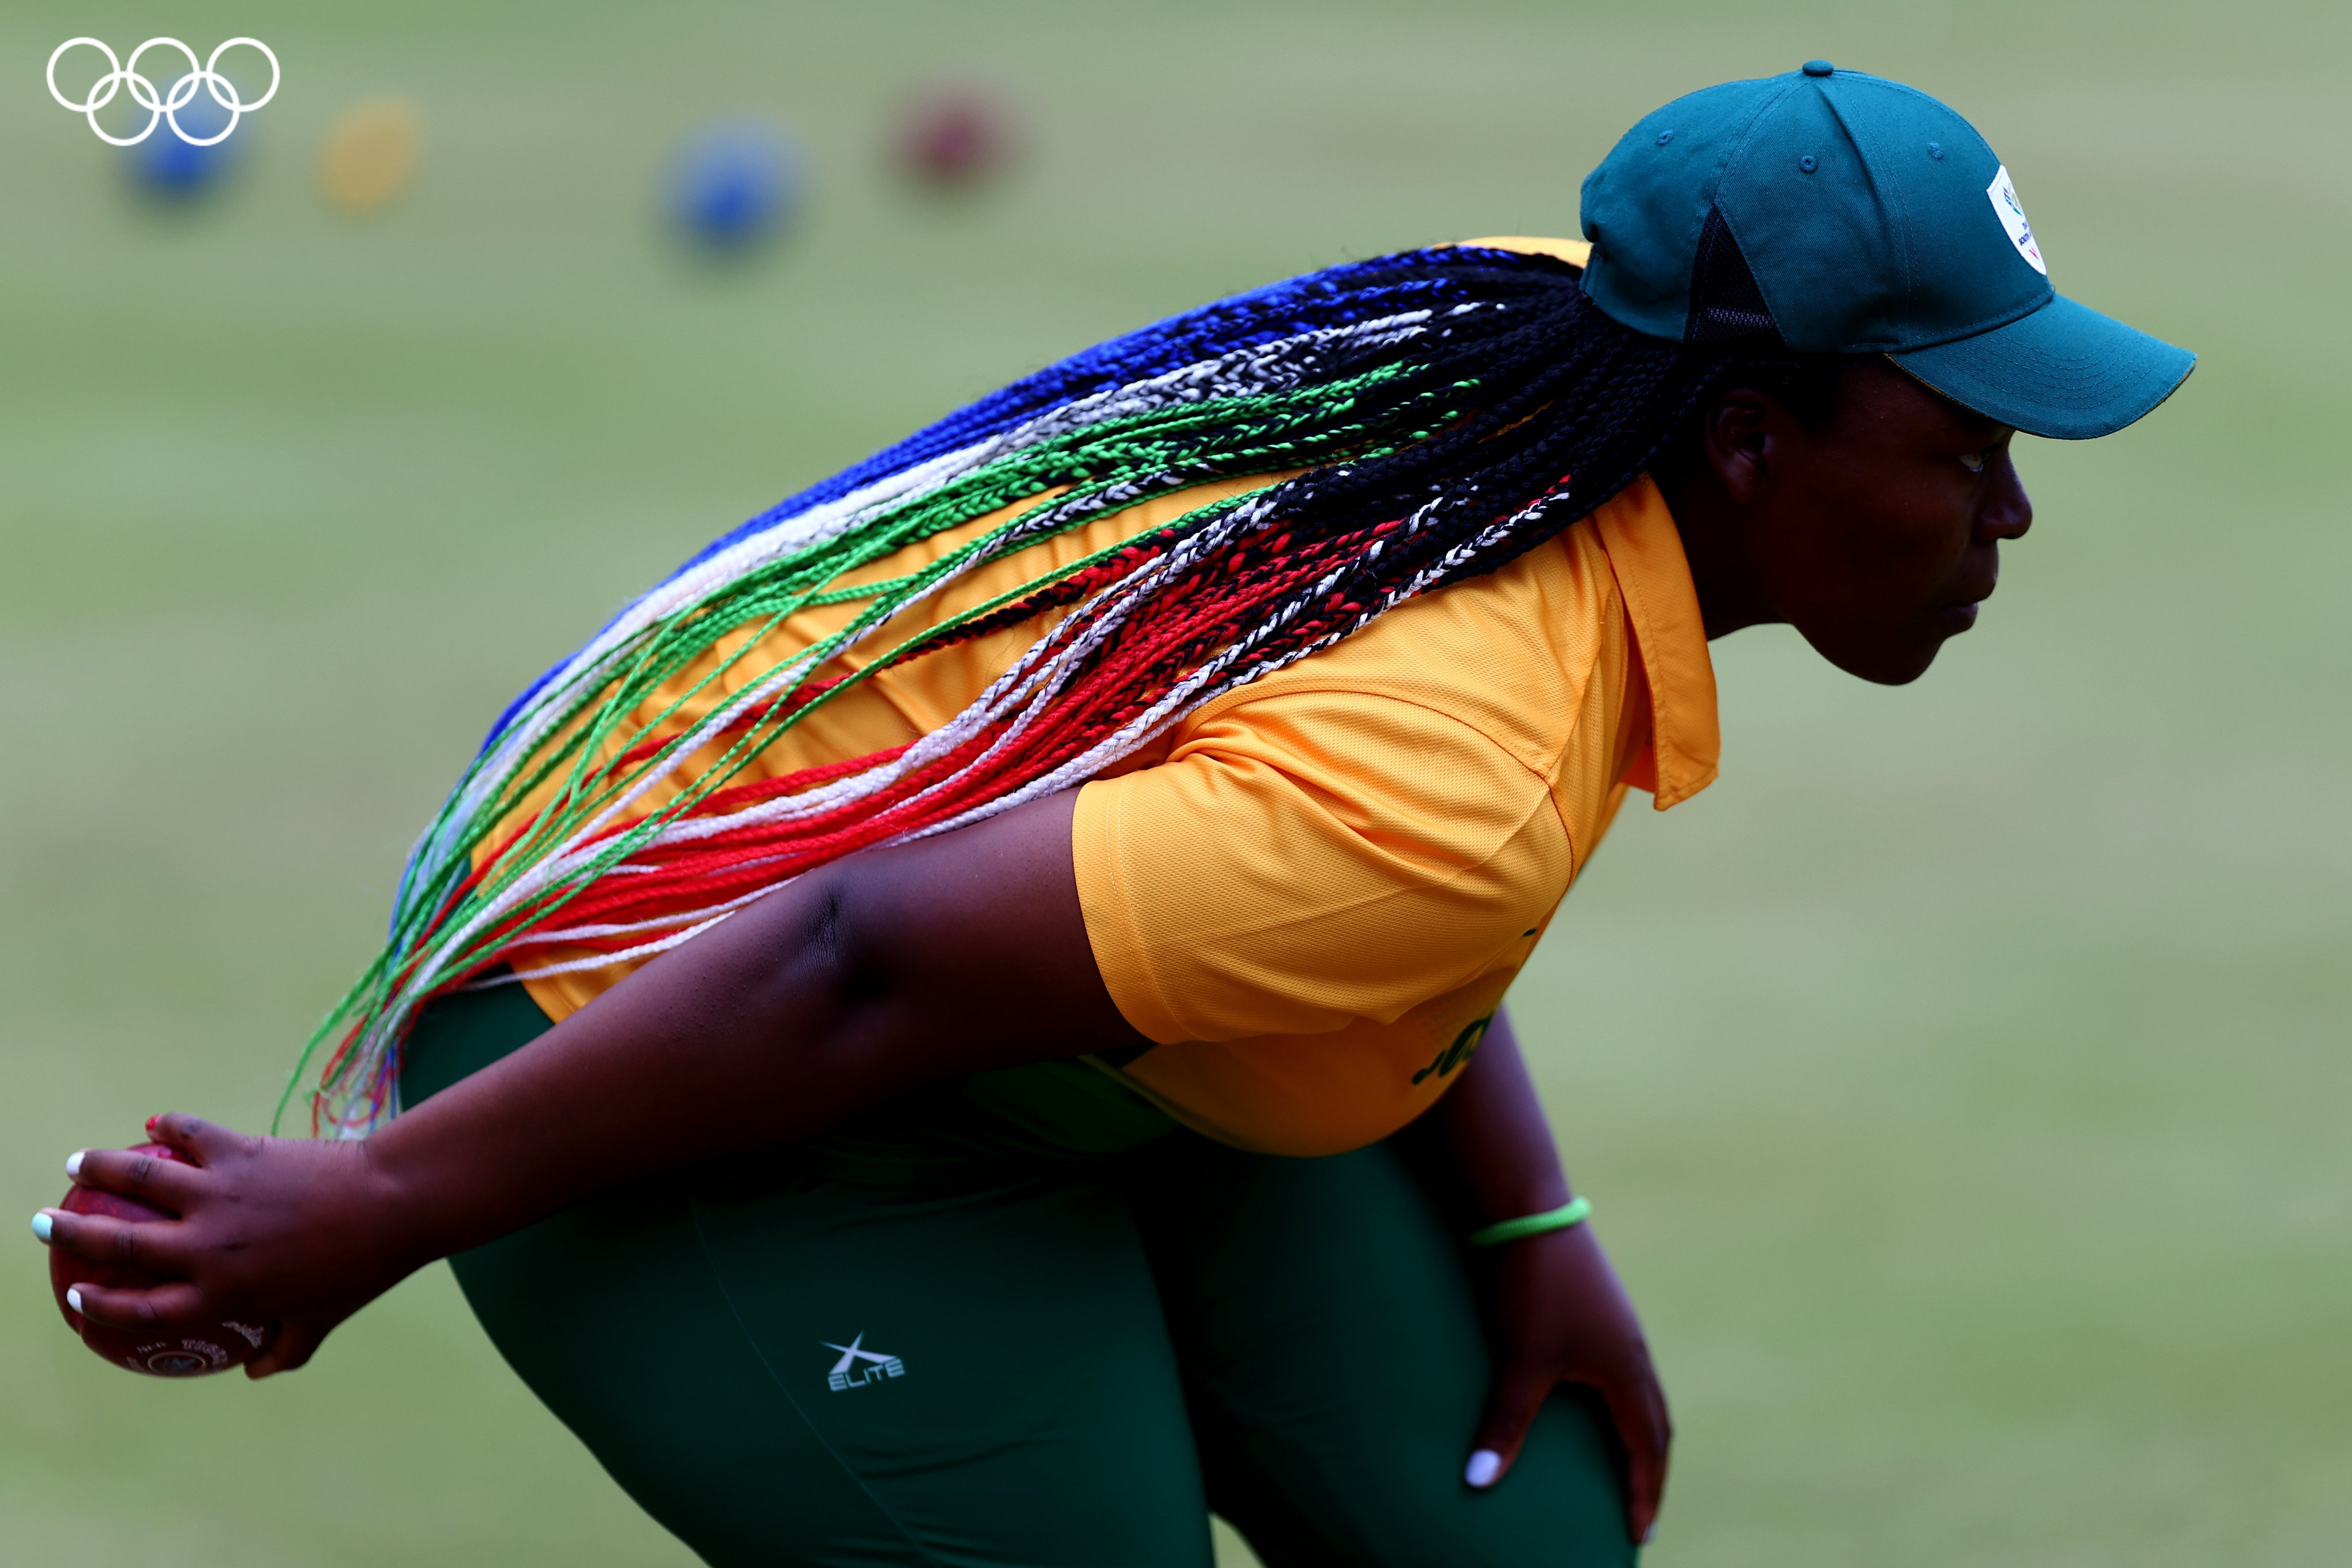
<point>172,169</point>
<point>735,184</point>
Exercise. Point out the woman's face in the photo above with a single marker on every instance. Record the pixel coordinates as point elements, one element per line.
<point>1876,533</point>
<point>1883,534</point>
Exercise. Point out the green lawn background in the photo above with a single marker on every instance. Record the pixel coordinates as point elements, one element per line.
<point>1961,1081</point>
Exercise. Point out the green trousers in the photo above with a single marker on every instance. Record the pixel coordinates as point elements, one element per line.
<point>907,1345</point>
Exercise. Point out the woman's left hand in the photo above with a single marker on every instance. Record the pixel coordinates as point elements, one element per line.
<point>1560,1316</point>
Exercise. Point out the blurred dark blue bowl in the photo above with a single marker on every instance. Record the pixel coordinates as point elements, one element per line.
<point>172,169</point>
<point>735,184</point>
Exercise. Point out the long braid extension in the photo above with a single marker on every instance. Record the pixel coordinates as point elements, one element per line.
<point>1444,411</point>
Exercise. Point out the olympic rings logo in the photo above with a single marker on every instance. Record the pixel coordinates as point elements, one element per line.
<point>119,76</point>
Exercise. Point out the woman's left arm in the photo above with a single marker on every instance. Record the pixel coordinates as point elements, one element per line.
<point>1558,1313</point>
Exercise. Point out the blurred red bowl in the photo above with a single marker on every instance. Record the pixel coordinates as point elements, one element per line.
<point>956,134</point>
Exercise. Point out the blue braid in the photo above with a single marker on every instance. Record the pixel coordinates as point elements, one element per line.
<point>1334,296</point>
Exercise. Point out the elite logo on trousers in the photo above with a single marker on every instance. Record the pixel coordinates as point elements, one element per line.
<point>859,1366</point>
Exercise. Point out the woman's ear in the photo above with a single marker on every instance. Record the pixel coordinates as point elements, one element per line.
<point>1733,435</point>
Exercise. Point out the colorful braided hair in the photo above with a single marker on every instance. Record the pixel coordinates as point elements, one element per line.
<point>1451,409</point>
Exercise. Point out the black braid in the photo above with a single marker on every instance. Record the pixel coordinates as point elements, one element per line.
<point>1575,407</point>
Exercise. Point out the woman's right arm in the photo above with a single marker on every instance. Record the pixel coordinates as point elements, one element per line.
<point>890,969</point>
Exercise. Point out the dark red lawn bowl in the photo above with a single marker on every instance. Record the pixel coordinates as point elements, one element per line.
<point>955,135</point>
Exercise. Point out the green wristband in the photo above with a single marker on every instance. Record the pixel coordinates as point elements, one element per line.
<point>1572,1212</point>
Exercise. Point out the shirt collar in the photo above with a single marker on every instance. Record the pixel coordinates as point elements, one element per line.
<point>1645,550</point>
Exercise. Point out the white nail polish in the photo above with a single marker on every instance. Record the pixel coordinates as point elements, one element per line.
<point>73,1297</point>
<point>42,1226</point>
<point>73,1162</point>
<point>1483,1468</point>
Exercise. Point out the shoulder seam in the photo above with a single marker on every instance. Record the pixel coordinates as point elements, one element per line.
<point>1242,695</point>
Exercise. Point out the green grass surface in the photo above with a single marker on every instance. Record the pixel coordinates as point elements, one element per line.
<point>1962,1081</point>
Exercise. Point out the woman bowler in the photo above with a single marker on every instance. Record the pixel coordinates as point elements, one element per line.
<point>965,1027</point>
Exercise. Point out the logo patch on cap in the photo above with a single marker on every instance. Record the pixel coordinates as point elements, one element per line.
<point>2003,196</point>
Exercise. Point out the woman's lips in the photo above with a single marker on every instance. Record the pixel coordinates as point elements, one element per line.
<point>1961,613</point>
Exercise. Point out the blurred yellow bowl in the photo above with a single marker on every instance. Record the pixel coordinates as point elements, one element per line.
<point>370,153</point>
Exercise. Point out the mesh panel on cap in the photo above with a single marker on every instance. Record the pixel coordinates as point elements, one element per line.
<point>1727,311</point>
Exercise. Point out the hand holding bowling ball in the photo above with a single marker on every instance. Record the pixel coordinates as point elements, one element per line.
<point>187,1350</point>
<point>206,1248</point>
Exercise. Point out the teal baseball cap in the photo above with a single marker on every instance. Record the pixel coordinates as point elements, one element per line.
<point>1828,212</point>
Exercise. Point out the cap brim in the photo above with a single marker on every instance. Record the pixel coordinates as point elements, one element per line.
<point>2064,371</point>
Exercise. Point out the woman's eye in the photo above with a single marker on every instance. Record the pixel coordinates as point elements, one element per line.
<point>1973,461</point>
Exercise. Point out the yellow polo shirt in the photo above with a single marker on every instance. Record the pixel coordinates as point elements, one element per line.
<point>1315,900</point>
<point>1314,891</point>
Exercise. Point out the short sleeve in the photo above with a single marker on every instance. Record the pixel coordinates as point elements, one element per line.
<point>1308,858</point>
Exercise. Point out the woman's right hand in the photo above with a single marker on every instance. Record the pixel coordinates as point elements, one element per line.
<point>890,969</point>
<point>296,1231</point>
